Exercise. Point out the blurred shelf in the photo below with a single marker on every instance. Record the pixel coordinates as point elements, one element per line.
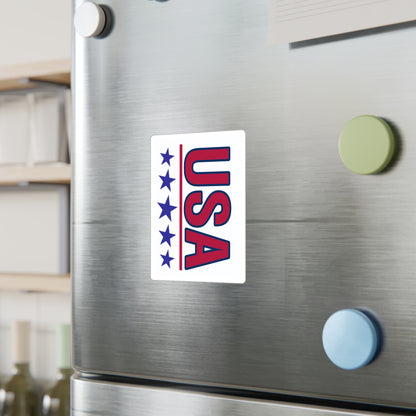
<point>35,283</point>
<point>14,175</point>
<point>20,76</point>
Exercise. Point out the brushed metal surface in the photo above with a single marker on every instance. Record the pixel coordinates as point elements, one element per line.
<point>319,238</point>
<point>106,399</point>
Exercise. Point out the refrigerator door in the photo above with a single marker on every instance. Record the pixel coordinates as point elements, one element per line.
<point>108,399</point>
<point>319,238</point>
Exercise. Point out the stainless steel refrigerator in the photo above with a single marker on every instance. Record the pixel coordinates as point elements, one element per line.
<point>224,255</point>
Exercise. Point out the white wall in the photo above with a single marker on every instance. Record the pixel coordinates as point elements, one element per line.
<point>45,311</point>
<point>34,31</point>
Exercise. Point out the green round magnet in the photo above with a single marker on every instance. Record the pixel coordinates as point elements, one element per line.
<point>366,145</point>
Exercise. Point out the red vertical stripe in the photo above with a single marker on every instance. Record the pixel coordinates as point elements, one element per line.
<point>180,205</point>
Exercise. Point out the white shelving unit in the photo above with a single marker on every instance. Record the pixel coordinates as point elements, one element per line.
<point>35,283</point>
<point>19,76</point>
<point>25,76</point>
<point>15,175</point>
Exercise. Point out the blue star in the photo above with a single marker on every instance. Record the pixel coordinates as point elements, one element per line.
<point>166,180</point>
<point>166,235</point>
<point>167,208</point>
<point>166,157</point>
<point>166,259</point>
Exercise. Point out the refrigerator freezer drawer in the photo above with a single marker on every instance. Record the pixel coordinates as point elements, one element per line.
<point>319,238</point>
<point>92,398</point>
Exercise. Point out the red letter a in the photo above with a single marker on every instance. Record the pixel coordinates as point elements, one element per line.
<point>208,249</point>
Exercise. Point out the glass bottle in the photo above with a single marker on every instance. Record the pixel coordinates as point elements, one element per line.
<point>18,397</point>
<point>56,402</point>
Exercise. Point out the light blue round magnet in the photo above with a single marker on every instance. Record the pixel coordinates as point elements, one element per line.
<point>350,339</point>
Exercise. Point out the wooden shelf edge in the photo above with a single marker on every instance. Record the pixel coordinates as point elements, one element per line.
<point>35,283</point>
<point>57,71</point>
<point>14,175</point>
